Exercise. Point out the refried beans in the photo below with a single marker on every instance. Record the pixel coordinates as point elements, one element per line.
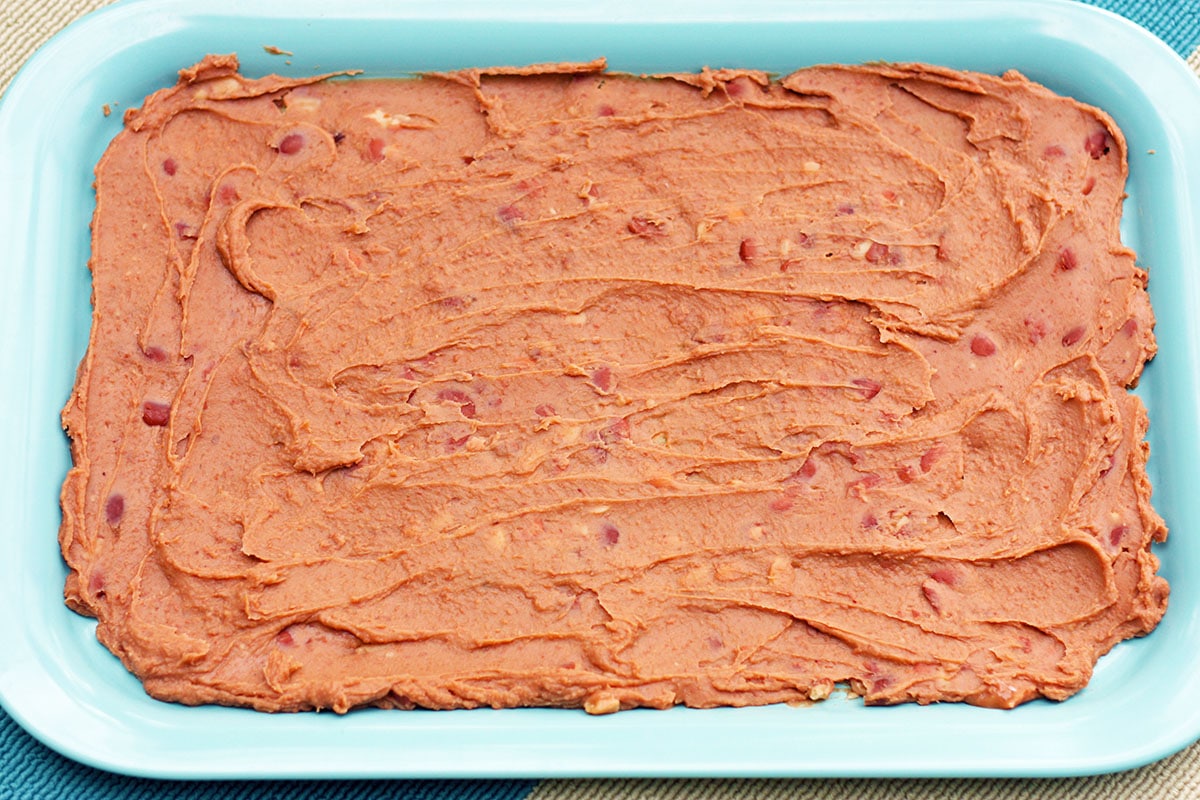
<point>549,386</point>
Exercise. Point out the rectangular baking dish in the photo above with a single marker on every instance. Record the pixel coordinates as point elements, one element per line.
<point>58,682</point>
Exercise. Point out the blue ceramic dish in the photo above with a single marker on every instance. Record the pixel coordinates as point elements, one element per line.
<point>1144,701</point>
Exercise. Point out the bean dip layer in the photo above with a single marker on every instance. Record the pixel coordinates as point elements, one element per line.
<point>552,386</point>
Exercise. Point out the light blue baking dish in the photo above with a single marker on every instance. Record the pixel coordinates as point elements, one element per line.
<point>1144,701</point>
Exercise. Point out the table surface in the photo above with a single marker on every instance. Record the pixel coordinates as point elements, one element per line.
<point>30,770</point>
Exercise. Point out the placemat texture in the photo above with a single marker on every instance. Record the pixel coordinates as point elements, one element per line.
<point>31,771</point>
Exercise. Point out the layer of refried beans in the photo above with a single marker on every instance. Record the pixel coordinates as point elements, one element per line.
<point>552,386</point>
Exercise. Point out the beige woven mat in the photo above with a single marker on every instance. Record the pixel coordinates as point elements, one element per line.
<point>25,24</point>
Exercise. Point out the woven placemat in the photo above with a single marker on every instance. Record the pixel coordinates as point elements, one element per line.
<point>29,770</point>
